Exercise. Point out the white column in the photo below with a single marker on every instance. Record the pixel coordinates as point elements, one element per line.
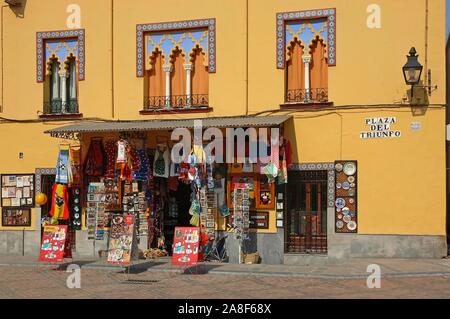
<point>188,67</point>
<point>63,89</point>
<point>307,61</point>
<point>168,69</point>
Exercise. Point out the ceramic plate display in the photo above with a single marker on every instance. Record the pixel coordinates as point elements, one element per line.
<point>338,167</point>
<point>351,192</point>
<point>339,224</point>
<point>338,185</point>
<point>352,185</point>
<point>338,210</point>
<point>345,185</point>
<point>351,179</point>
<point>351,225</point>
<point>345,210</point>
<point>347,219</point>
<point>340,216</point>
<point>340,203</point>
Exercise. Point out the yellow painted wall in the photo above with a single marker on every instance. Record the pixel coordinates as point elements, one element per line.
<point>401,181</point>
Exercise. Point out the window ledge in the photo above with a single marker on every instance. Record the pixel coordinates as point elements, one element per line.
<point>71,116</point>
<point>300,105</point>
<point>176,110</point>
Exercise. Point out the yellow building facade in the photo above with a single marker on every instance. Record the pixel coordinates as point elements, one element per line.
<point>363,116</point>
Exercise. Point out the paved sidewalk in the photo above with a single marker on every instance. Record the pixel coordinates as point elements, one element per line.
<point>345,269</point>
<point>24,277</point>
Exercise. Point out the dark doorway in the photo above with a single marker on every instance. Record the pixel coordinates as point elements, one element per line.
<point>306,227</point>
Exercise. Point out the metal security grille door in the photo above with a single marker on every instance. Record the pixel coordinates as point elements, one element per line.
<point>306,230</point>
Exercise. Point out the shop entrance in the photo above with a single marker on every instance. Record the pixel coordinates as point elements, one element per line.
<point>306,227</point>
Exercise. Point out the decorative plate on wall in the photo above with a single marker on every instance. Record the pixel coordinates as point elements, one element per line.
<point>339,224</point>
<point>340,203</point>
<point>349,169</point>
<point>351,225</point>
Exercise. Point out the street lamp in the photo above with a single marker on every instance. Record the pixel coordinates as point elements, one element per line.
<point>412,70</point>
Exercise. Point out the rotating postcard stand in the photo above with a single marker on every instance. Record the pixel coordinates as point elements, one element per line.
<point>241,204</point>
<point>55,247</point>
<point>122,248</point>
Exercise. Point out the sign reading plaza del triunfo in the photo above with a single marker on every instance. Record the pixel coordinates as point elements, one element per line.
<point>380,127</point>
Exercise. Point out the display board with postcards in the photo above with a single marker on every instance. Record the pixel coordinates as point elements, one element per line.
<point>96,216</point>
<point>121,239</point>
<point>17,190</point>
<point>346,220</point>
<point>241,215</point>
<point>16,217</point>
<point>136,205</point>
<point>112,194</point>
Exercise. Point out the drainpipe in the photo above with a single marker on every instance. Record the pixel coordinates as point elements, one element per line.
<point>246,59</point>
<point>112,60</point>
<point>1,50</point>
<point>426,42</point>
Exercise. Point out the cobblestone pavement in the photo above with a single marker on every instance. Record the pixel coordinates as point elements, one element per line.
<point>48,282</point>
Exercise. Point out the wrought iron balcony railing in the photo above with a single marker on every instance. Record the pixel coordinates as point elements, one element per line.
<point>57,106</point>
<point>307,96</point>
<point>193,101</point>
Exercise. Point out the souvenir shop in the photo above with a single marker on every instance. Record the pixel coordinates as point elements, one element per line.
<point>102,177</point>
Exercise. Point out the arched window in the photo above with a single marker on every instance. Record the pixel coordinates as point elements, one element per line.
<point>200,79</point>
<point>156,83</point>
<point>62,87</point>
<point>176,64</point>
<point>319,71</point>
<point>307,61</point>
<point>72,98</point>
<point>54,105</point>
<point>295,72</point>
<point>178,79</point>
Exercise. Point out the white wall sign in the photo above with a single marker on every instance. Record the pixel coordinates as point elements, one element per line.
<point>380,127</point>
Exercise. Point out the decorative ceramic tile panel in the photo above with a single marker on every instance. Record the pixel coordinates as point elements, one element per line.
<point>61,45</point>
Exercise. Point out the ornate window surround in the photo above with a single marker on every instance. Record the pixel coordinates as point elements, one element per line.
<point>320,167</point>
<point>38,173</point>
<point>283,17</point>
<point>41,37</point>
<point>141,29</point>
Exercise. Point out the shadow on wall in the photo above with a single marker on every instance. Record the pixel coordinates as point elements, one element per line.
<point>18,7</point>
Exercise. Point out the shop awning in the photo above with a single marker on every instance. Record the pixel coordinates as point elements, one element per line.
<point>154,125</point>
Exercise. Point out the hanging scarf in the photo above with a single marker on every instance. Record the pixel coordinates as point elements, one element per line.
<point>75,166</point>
<point>111,155</point>
<point>63,167</point>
